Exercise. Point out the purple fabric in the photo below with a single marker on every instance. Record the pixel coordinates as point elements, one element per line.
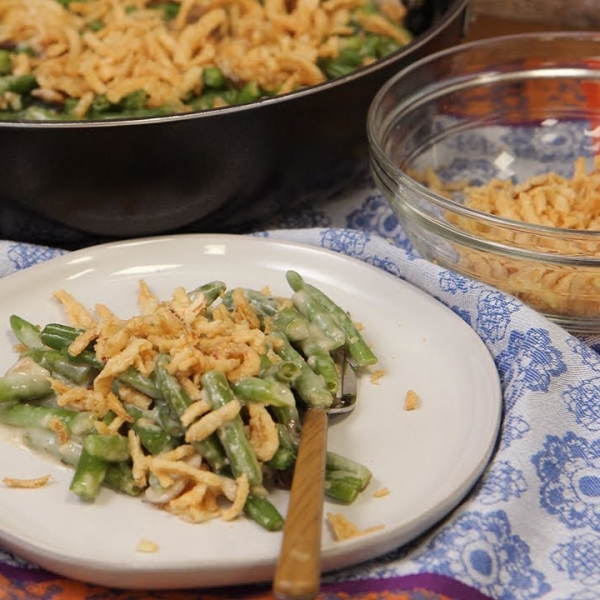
<point>433,582</point>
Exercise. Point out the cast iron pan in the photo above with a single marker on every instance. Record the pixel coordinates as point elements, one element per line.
<point>210,170</point>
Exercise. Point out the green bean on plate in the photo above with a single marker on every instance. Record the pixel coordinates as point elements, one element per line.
<point>195,404</point>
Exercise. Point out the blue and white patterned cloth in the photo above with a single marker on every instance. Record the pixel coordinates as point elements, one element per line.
<point>531,527</point>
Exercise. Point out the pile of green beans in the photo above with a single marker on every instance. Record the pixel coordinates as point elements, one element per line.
<point>304,334</point>
<point>357,49</point>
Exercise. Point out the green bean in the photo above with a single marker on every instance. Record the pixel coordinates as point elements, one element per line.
<point>28,415</point>
<point>27,387</point>
<point>283,459</point>
<point>60,337</point>
<point>355,343</point>
<point>338,462</point>
<point>385,46</point>
<point>288,417</point>
<point>110,447</point>
<point>263,305</point>
<point>213,78</point>
<point>132,105</point>
<point>176,397</point>
<point>240,453</point>
<point>213,453</point>
<point>61,366</point>
<point>226,95</point>
<point>263,512</point>
<point>146,385</point>
<point>25,48</point>
<point>333,67</point>
<point>170,10</point>
<point>118,475</point>
<point>211,291</point>
<point>332,335</point>
<point>358,43</point>
<point>352,54</point>
<point>18,84</point>
<point>345,478</point>
<point>178,400</point>
<point>285,371</point>
<point>356,49</point>
<point>322,363</point>
<point>89,476</point>
<point>205,101</point>
<point>248,93</point>
<point>135,100</point>
<point>96,25</point>
<point>47,440</point>
<point>286,438</point>
<point>342,486</point>
<point>152,436</point>
<point>68,109</point>
<point>108,417</point>
<point>285,456</point>
<point>27,333</point>
<point>292,324</point>
<point>167,419</point>
<point>100,104</point>
<point>5,62</point>
<point>31,113</point>
<point>264,391</point>
<point>120,478</point>
<point>310,386</point>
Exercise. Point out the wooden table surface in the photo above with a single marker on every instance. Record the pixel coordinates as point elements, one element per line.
<point>484,25</point>
<point>548,14</point>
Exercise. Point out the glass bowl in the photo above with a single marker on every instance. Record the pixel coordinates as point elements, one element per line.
<point>498,113</point>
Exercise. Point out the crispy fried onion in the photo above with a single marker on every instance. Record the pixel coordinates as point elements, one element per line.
<point>188,342</point>
<point>180,484</point>
<point>231,342</point>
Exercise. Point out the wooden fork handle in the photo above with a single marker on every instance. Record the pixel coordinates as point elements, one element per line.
<point>298,572</point>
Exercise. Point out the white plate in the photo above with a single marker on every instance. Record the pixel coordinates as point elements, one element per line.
<point>428,458</point>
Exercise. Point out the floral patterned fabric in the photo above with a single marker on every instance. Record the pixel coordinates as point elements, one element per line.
<point>530,528</point>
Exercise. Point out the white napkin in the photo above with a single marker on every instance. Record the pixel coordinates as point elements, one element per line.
<point>531,527</point>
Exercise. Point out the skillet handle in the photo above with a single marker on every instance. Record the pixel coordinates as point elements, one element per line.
<point>298,572</point>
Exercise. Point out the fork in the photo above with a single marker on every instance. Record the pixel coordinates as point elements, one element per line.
<point>298,572</point>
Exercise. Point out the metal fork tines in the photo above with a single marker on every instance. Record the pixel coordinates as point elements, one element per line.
<point>345,396</point>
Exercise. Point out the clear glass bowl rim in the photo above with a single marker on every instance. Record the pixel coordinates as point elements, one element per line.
<point>394,173</point>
